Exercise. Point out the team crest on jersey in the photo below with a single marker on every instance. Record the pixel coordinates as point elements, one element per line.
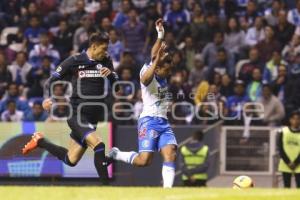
<point>142,133</point>
<point>146,143</point>
<point>81,74</point>
<point>99,66</point>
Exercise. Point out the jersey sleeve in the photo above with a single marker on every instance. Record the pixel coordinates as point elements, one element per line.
<point>144,69</point>
<point>113,77</point>
<point>60,73</point>
<point>63,69</point>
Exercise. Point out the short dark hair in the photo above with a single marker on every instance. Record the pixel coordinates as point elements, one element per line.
<point>10,101</point>
<point>167,59</point>
<point>296,112</point>
<point>98,38</point>
<point>198,135</point>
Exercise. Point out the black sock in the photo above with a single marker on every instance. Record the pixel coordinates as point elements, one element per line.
<point>100,163</point>
<point>60,152</point>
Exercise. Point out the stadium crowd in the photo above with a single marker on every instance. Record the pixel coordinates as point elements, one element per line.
<point>225,53</point>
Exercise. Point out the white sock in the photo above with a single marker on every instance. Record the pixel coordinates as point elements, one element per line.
<point>168,174</point>
<point>126,157</point>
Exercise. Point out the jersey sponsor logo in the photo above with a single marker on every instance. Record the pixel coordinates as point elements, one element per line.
<point>142,133</point>
<point>89,74</point>
<point>81,67</point>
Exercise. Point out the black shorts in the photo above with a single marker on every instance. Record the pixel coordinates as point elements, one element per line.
<point>83,123</point>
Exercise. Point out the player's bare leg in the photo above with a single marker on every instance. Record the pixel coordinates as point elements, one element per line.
<point>100,162</point>
<point>143,159</point>
<point>69,156</point>
<point>168,169</point>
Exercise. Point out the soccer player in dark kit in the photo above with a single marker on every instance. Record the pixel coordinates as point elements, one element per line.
<point>90,73</point>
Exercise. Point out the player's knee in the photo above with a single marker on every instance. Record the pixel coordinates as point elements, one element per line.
<point>145,161</point>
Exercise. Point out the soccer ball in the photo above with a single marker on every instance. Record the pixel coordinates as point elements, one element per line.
<point>243,182</point>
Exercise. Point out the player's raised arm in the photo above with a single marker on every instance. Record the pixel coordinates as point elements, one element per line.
<point>160,36</point>
<point>148,74</point>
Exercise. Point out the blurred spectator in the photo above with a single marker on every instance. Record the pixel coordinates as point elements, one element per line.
<point>178,61</point>
<point>129,89</point>
<point>134,35</point>
<point>19,69</point>
<point>195,28</point>
<point>180,91</point>
<point>199,72</point>
<point>32,33</point>
<point>272,13</point>
<point>193,160</point>
<point>234,37</point>
<point>11,114</point>
<point>170,41</point>
<point>267,46</point>
<point>201,92</point>
<point>13,93</point>
<point>29,11</point>
<point>221,65</point>
<point>67,6</point>
<point>291,49</point>
<point>105,25</point>
<point>234,104</point>
<point>210,50</point>
<point>283,30</point>
<point>256,33</point>
<point>127,60</point>
<point>37,78</point>
<point>104,12</point>
<point>271,70</point>
<point>16,43</point>
<point>273,108</point>
<point>254,87</point>
<point>63,39</point>
<point>279,84</point>
<point>244,68</point>
<point>122,16</point>
<point>212,106</point>
<point>177,17</point>
<point>37,113</point>
<point>251,13</point>
<point>81,34</point>
<point>208,31</point>
<point>226,88</point>
<point>223,8</point>
<point>288,148</point>
<point>5,75</point>
<point>189,52</point>
<point>294,14</point>
<point>115,47</point>
<point>44,48</point>
<point>77,14</point>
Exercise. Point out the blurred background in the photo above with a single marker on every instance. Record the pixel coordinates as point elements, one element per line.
<point>234,60</point>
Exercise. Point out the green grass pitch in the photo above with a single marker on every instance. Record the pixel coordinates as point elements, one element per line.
<point>142,193</point>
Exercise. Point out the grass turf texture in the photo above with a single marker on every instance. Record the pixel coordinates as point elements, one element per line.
<point>142,193</point>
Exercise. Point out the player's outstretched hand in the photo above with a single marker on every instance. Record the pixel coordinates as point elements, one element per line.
<point>160,28</point>
<point>105,71</point>
<point>47,103</point>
